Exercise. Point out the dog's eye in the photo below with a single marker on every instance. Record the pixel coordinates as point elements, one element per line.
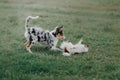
<point>61,33</point>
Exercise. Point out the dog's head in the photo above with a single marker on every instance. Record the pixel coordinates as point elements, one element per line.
<point>85,48</point>
<point>59,32</point>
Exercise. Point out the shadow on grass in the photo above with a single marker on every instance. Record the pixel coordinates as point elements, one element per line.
<point>44,50</point>
<point>47,51</point>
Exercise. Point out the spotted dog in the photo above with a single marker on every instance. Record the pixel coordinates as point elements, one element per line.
<point>69,48</point>
<point>38,35</point>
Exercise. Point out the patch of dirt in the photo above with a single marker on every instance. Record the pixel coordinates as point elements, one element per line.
<point>101,8</point>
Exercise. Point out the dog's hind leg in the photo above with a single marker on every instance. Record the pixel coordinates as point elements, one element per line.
<point>25,44</point>
<point>28,46</point>
<point>81,40</point>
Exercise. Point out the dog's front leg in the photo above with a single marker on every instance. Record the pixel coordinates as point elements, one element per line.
<point>54,48</point>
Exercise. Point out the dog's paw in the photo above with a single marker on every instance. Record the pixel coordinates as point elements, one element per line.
<point>66,54</point>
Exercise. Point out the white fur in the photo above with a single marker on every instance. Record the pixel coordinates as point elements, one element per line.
<point>72,49</point>
<point>66,54</point>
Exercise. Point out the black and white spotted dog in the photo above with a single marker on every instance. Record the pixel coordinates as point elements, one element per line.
<point>45,37</point>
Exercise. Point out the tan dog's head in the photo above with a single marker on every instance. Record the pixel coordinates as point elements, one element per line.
<point>59,33</point>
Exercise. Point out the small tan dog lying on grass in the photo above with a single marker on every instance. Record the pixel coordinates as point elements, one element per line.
<point>69,48</point>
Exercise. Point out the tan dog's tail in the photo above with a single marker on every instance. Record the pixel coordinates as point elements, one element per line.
<point>28,19</point>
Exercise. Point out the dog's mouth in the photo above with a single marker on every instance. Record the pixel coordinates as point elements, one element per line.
<point>61,37</point>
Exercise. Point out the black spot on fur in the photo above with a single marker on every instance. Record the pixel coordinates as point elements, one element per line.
<point>48,35</point>
<point>33,31</point>
<point>51,40</point>
<point>45,37</point>
<point>42,37</point>
<point>29,31</point>
<point>38,38</point>
<point>27,20</point>
<point>30,39</point>
<point>42,32</point>
<point>27,25</point>
<point>54,34</point>
<point>52,44</point>
<point>38,33</point>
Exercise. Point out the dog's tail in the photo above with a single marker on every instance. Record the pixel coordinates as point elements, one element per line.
<point>28,19</point>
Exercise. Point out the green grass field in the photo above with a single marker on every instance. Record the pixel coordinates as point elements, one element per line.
<point>96,21</point>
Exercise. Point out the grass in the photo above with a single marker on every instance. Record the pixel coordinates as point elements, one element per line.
<point>96,21</point>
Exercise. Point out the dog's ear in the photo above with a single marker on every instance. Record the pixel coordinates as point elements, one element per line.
<point>59,26</point>
<point>87,46</point>
<point>62,26</point>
